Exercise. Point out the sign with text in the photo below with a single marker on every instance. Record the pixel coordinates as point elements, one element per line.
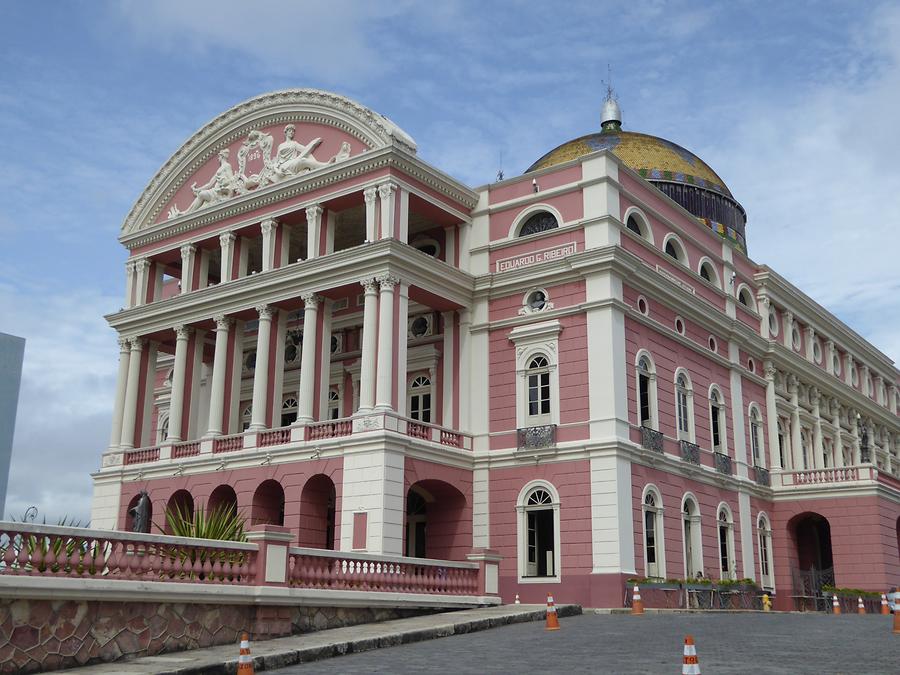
<point>536,257</point>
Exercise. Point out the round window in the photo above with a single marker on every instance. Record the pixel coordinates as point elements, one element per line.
<point>795,338</point>
<point>817,351</point>
<point>713,345</point>
<point>836,362</point>
<point>290,353</point>
<point>643,308</point>
<point>751,365</point>
<point>773,323</point>
<point>679,325</point>
<point>419,326</point>
<point>537,300</point>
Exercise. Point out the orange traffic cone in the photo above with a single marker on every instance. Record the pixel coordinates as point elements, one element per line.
<point>517,599</point>
<point>552,619</point>
<point>245,661</point>
<point>884,605</point>
<point>637,605</point>
<point>860,607</point>
<point>896,622</point>
<point>691,663</point>
<point>835,606</point>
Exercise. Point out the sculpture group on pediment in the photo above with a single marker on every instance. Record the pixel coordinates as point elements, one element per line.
<point>258,167</point>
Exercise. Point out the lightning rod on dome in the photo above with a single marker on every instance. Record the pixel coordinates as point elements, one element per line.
<point>611,116</point>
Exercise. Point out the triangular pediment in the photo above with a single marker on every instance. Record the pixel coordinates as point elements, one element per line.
<point>265,141</point>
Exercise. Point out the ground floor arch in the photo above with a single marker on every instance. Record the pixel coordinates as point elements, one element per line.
<point>437,522</point>
<point>810,537</point>
<point>180,507</point>
<point>223,497</point>
<point>318,500</point>
<point>268,504</point>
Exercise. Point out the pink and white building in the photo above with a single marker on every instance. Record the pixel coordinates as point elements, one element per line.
<point>579,368</point>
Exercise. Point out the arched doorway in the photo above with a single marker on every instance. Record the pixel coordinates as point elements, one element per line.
<point>180,507</point>
<point>317,509</point>
<point>813,568</point>
<point>437,523</point>
<point>223,497</point>
<point>268,504</point>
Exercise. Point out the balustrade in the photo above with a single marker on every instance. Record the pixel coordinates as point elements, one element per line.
<point>189,449</point>
<point>228,443</point>
<point>333,429</point>
<point>273,437</point>
<point>141,456</point>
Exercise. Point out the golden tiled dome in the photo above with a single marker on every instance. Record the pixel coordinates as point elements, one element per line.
<point>654,158</point>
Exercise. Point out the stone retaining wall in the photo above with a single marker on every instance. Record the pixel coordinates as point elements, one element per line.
<point>39,635</point>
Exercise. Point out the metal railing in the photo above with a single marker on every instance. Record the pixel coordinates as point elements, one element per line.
<point>651,439</point>
<point>535,438</point>
<point>690,452</point>
<point>762,476</point>
<point>723,463</point>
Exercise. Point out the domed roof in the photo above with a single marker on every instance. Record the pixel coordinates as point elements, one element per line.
<point>654,158</point>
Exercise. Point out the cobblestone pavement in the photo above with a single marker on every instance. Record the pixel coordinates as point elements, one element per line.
<point>726,643</point>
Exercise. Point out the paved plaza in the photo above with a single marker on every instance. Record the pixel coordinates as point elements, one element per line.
<point>726,643</point>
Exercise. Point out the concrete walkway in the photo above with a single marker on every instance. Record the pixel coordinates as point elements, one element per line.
<point>286,651</point>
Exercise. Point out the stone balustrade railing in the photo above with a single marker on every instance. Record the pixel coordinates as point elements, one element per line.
<point>33,550</point>
<point>311,568</point>
<point>846,474</point>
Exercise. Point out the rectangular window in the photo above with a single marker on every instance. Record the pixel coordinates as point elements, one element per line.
<point>754,442</point>
<point>539,394</point>
<point>682,413</point>
<point>644,386</point>
<point>764,556</point>
<point>650,531</point>
<point>723,549</point>
<point>714,411</point>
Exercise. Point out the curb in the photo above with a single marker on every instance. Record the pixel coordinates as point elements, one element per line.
<point>290,657</point>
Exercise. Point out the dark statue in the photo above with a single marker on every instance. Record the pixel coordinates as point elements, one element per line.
<point>140,513</point>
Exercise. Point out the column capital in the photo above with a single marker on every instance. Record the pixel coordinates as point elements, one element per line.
<point>129,266</point>
<point>141,264</point>
<point>788,317</point>
<point>137,343</point>
<point>188,250</point>
<point>223,322</point>
<point>763,299</point>
<point>770,370</point>
<point>314,212</point>
<point>226,239</point>
<point>793,384</point>
<point>369,195</point>
<point>124,347</point>
<point>835,406</point>
<point>311,300</point>
<point>829,344</point>
<point>265,312</point>
<point>385,190</point>
<point>369,285</point>
<point>182,331</point>
<point>387,282</point>
<point>268,225</point>
<point>814,396</point>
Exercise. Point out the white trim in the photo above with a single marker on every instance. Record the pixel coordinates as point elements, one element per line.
<point>689,390</point>
<point>529,211</point>
<point>729,542</point>
<point>643,222</point>
<point>737,295</point>
<point>658,531</point>
<point>770,558</point>
<point>722,419</point>
<point>680,249</point>
<point>696,536</point>
<point>716,280</point>
<point>532,340</point>
<point>652,393</point>
<point>759,436</point>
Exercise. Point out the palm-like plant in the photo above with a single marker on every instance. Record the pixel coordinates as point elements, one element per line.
<point>222,523</point>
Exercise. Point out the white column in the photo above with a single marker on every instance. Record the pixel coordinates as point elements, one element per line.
<point>369,346</point>
<point>176,405</point>
<point>864,380</point>
<point>449,370</point>
<point>463,368</point>
<point>879,383</point>
<point>838,440</point>
<point>772,416</point>
<point>450,245</point>
<point>142,278</point>
<point>387,194</point>
<point>313,231</point>
<point>226,264</point>
<point>402,322</point>
<point>220,365</point>
<point>261,372</point>
<point>308,359</point>
<point>371,195</point>
<point>115,436</point>
<point>129,415</point>
<point>818,446</point>
<point>385,372</point>
<point>796,444</point>
<point>269,228</point>
<point>188,251</point>
<point>787,329</point>
<point>829,357</point>
<point>854,426</point>
<point>892,399</point>
<point>403,218</point>
<point>463,245</point>
<point>129,287</point>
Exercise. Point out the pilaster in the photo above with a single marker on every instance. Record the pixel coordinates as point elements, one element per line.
<point>313,231</point>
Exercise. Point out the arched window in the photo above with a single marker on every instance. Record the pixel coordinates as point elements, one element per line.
<point>246,417</point>
<point>708,273</point>
<point>163,433</point>
<point>538,390</point>
<point>684,407</point>
<point>334,404</point>
<point>756,442</point>
<point>646,387</point>
<point>288,411</point>
<point>717,421</point>
<point>538,532</point>
<point>538,222</point>
<point>726,544</point>
<point>745,297</point>
<point>654,545</point>
<point>420,399</point>
<point>633,225</point>
<point>692,539</point>
<point>804,448</point>
<point>764,536</point>
<point>675,249</point>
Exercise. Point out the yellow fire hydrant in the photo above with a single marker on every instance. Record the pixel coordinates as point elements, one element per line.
<point>766,603</point>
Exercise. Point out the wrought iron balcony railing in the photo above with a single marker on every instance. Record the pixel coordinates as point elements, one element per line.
<point>535,438</point>
<point>723,463</point>
<point>762,476</point>
<point>690,452</point>
<point>651,439</point>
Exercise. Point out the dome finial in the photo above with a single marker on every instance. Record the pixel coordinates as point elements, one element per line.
<point>611,116</point>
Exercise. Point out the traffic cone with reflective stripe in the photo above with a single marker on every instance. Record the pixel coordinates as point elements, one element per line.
<point>245,661</point>
<point>896,622</point>
<point>884,605</point>
<point>835,606</point>
<point>860,607</point>
<point>552,619</point>
<point>517,599</point>
<point>691,660</point>
<point>637,605</point>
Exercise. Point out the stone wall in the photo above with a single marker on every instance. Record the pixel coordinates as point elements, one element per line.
<point>39,635</point>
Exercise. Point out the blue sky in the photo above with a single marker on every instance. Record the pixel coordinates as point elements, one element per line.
<point>794,104</point>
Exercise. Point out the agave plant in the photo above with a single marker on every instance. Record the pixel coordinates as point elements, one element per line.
<point>54,553</point>
<point>222,523</point>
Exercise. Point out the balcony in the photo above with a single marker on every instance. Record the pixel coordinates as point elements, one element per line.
<point>536,438</point>
<point>762,476</point>
<point>690,452</point>
<point>723,463</point>
<point>315,433</point>
<point>651,439</point>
